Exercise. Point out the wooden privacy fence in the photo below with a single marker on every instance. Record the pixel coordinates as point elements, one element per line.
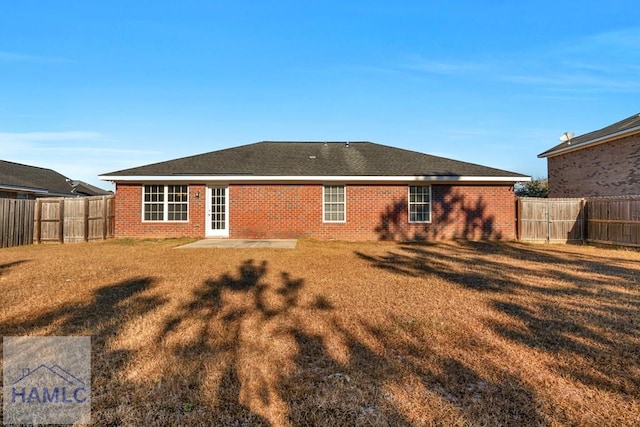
<point>614,221</point>
<point>598,220</point>
<point>16,222</point>
<point>68,220</point>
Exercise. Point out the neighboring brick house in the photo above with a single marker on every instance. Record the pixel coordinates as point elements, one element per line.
<point>322,190</point>
<point>602,163</point>
<point>18,181</point>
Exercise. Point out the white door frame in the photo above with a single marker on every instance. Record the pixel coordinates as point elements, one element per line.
<point>213,227</point>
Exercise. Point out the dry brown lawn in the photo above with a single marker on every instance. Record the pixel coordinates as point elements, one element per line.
<point>336,333</point>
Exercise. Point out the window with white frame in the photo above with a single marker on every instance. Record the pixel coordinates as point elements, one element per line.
<point>419,203</point>
<point>334,203</point>
<point>165,203</point>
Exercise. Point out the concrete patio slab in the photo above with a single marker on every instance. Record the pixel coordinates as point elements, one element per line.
<point>242,243</point>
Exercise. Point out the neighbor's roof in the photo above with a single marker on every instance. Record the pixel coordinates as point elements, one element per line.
<point>621,129</point>
<point>306,160</point>
<point>33,179</point>
<point>82,188</point>
<point>42,181</point>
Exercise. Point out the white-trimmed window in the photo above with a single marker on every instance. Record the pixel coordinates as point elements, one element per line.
<point>168,203</point>
<point>334,203</point>
<point>419,203</point>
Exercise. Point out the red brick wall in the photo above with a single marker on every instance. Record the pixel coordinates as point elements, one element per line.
<point>609,169</point>
<point>374,212</point>
<point>129,215</point>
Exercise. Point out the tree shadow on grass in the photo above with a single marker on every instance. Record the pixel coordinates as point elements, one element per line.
<point>221,346</point>
<point>417,261</point>
<point>248,350</point>
<point>406,383</point>
<point>254,349</point>
<point>493,397</point>
<point>7,266</point>
<point>258,348</point>
<point>583,311</point>
<point>104,314</point>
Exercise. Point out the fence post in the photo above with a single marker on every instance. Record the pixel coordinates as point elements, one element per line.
<point>16,229</point>
<point>61,221</point>
<point>31,207</point>
<point>13,205</point>
<point>86,219</point>
<point>519,218</point>
<point>583,221</point>
<point>105,217</point>
<point>548,207</point>
<point>38,225</point>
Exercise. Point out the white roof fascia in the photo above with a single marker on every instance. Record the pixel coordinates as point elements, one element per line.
<point>321,178</point>
<point>23,189</point>
<point>593,142</point>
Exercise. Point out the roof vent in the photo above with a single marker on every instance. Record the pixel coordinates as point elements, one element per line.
<point>312,157</point>
<point>346,144</point>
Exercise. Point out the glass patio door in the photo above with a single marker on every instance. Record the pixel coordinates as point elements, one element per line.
<point>217,216</point>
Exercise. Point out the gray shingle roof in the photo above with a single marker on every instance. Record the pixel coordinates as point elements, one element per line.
<point>617,128</point>
<point>82,188</point>
<point>33,178</point>
<point>270,158</point>
<point>44,181</point>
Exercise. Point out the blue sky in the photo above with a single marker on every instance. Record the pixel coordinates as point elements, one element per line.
<point>90,87</point>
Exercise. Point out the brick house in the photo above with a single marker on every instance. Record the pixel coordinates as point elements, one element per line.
<point>19,181</point>
<point>605,162</point>
<point>322,190</point>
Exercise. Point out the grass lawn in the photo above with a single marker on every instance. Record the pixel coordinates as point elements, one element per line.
<point>336,333</point>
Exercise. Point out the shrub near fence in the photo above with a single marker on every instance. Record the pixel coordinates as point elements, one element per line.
<point>16,222</point>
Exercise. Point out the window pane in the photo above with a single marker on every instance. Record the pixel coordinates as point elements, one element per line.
<point>177,212</point>
<point>153,212</point>
<point>334,203</point>
<point>176,207</point>
<point>419,203</point>
<point>153,202</point>
<point>177,193</point>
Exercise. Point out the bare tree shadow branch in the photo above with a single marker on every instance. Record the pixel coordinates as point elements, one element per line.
<point>590,313</point>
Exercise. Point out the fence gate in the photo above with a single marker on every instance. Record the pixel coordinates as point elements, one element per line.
<point>551,220</point>
<point>75,219</point>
